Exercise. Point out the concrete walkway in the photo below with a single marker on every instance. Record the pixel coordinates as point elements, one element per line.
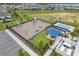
<point>51,49</point>
<point>27,49</point>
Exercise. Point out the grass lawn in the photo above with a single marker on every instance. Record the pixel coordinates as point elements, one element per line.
<point>40,37</point>
<point>27,15</point>
<point>2,26</point>
<point>9,24</point>
<point>22,52</point>
<point>48,11</point>
<point>24,15</point>
<point>23,18</point>
<point>55,54</point>
<point>76,31</point>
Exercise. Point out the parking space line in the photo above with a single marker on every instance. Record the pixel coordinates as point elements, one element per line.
<point>26,48</point>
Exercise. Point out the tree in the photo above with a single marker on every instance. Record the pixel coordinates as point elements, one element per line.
<point>41,44</point>
<point>75,21</point>
<point>21,52</point>
<point>46,46</point>
<point>4,20</point>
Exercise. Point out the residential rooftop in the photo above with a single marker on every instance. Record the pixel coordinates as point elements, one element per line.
<point>4,12</point>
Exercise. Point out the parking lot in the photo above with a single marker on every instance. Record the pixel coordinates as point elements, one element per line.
<point>8,47</point>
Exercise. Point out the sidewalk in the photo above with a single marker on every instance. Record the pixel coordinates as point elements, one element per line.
<point>27,49</point>
<point>50,50</point>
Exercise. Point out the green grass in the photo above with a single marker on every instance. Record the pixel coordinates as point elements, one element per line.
<point>49,20</point>
<point>76,31</point>
<point>10,24</point>
<point>24,15</point>
<point>55,54</point>
<point>14,20</point>
<point>48,11</point>
<point>40,37</point>
<point>22,52</point>
<point>2,26</point>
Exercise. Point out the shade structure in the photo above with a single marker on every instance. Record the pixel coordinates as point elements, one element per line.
<point>65,27</point>
<point>53,32</point>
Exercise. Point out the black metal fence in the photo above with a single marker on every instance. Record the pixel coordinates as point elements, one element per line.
<point>26,42</point>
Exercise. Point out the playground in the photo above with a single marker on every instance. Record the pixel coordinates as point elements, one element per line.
<point>30,29</point>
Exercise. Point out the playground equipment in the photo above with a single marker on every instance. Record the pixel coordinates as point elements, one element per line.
<point>34,21</point>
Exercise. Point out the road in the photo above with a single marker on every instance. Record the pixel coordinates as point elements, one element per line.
<point>26,48</point>
<point>51,49</point>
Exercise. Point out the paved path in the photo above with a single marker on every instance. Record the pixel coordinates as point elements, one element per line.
<point>76,51</point>
<point>51,49</point>
<point>27,49</point>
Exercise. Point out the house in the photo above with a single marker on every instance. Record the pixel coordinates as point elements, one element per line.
<point>37,6</point>
<point>4,13</point>
<point>65,47</point>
